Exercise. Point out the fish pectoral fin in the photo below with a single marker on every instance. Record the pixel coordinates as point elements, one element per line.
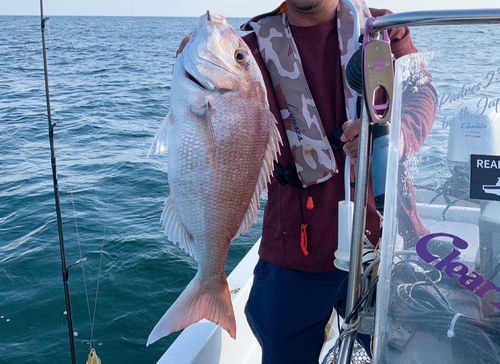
<point>210,134</point>
<point>266,171</point>
<point>174,228</point>
<point>200,300</point>
<point>162,139</point>
<point>204,115</point>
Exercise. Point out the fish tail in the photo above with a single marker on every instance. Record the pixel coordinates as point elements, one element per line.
<point>200,300</point>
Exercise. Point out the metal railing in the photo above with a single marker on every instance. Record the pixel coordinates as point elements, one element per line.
<point>435,17</point>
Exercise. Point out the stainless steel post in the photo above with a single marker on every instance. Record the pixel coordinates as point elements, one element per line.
<point>358,229</point>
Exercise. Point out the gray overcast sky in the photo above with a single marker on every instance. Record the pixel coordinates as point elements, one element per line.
<point>228,8</point>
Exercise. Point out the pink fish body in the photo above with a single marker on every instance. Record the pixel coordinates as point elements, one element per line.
<point>221,141</point>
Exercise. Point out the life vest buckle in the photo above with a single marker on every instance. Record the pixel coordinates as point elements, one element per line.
<point>286,176</point>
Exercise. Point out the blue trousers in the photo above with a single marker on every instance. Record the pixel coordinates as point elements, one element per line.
<point>288,310</point>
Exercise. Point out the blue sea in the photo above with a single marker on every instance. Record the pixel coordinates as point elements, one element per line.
<point>109,82</point>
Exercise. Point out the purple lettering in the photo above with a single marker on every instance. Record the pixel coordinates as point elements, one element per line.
<point>488,286</point>
<point>451,269</point>
<point>472,281</point>
<point>423,252</point>
<point>447,262</point>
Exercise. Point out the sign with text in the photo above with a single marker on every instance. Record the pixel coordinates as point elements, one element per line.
<point>485,177</point>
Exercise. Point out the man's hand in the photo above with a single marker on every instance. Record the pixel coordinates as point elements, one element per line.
<point>183,44</point>
<point>350,138</point>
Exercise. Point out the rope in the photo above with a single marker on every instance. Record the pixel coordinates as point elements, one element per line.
<point>92,325</point>
<point>80,251</point>
<point>451,332</point>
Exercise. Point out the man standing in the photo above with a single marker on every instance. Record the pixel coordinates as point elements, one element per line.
<point>302,48</point>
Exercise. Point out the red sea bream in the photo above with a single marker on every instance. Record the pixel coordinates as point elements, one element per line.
<point>221,140</point>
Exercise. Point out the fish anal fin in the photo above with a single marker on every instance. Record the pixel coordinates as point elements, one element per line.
<point>162,139</point>
<point>209,300</point>
<point>174,228</point>
<point>271,154</point>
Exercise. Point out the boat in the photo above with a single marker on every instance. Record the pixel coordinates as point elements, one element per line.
<point>437,298</point>
<point>492,189</point>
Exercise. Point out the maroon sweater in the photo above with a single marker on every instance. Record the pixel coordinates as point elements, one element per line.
<point>286,210</point>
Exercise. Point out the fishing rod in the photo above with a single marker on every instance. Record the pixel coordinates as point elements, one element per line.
<point>65,269</point>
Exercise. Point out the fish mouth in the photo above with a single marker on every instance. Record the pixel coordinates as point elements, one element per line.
<point>190,64</point>
<point>194,80</point>
<point>192,74</point>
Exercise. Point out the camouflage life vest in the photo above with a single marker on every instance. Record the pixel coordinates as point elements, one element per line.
<point>313,155</point>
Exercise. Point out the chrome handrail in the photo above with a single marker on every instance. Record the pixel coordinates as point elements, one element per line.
<point>435,17</point>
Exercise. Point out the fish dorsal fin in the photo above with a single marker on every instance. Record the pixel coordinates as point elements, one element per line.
<point>270,156</point>
<point>162,139</point>
<point>174,228</point>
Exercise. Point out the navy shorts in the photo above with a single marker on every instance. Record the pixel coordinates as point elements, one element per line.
<point>288,310</point>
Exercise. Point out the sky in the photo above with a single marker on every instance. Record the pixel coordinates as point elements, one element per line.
<point>227,8</point>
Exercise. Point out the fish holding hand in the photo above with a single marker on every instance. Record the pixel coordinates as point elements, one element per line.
<point>221,141</point>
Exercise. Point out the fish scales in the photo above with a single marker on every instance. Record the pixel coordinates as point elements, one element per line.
<point>221,141</point>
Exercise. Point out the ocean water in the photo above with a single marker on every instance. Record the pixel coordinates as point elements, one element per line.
<point>110,82</point>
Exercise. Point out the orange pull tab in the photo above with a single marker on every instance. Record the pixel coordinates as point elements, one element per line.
<point>303,239</point>
<point>310,203</point>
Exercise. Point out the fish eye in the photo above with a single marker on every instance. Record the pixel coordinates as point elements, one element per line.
<point>240,57</point>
